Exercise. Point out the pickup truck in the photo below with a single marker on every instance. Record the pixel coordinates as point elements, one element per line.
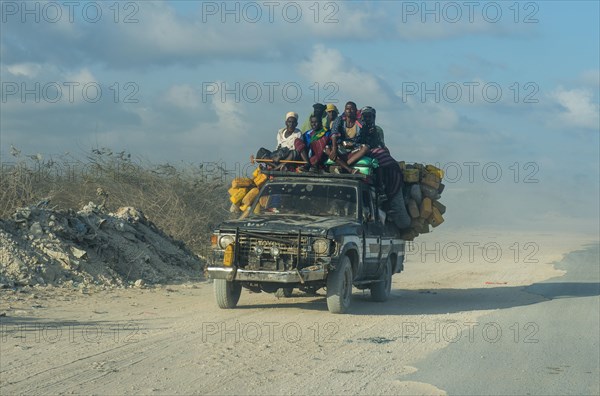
<point>308,231</point>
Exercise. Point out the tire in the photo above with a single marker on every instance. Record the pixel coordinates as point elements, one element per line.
<point>284,292</point>
<point>381,290</point>
<point>227,293</point>
<point>339,287</point>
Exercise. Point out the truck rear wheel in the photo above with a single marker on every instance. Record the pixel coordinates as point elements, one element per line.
<point>227,293</point>
<point>284,292</point>
<point>339,287</point>
<point>381,290</point>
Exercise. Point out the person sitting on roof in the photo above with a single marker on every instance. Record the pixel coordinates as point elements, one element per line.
<point>347,139</point>
<point>319,111</point>
<point>332,113</point>
<point>389,176</point>
<point>285,143</point>
<point>312,144</point>
<point>373,133</point>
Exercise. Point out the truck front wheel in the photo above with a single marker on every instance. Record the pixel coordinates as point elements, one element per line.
<point>339,287</point>
<point>227,293</point>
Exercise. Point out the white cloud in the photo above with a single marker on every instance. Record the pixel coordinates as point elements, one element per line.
<point>346,20</point>
<point>579,108</point>
<point>82,76</point>
<point>183,96</point>
<point>28,69</point>
<point>431,116</point>
<point>330,66</point>
<point>218,139</point>
<point>231,118</point>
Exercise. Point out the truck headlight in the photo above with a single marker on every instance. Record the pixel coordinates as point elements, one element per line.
<point>275,251</point>
<point>226,240</point>
<point>321,246</point>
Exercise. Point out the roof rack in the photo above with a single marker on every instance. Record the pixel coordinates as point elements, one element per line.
<point>357,176</point>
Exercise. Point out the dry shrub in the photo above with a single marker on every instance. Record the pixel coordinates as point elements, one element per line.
<point>182,200</point>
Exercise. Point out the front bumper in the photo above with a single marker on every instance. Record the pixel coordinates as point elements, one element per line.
<point>294,276</point>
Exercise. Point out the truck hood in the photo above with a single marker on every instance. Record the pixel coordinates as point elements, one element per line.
<point>313,225</point>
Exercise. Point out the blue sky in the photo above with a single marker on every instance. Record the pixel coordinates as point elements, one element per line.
<point>170,53</point>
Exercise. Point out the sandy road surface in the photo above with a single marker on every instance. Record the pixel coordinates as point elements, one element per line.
<point>173,339</point>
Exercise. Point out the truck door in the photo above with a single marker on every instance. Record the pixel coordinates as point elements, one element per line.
<point>373,229</point>
<point>387,239</point>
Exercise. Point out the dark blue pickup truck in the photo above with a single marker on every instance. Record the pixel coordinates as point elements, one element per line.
<point>308,232</point>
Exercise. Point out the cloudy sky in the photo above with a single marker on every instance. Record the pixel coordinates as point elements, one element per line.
<point>503,95</point>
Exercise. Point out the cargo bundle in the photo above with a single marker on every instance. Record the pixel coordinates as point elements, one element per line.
<point>244,191</point>
<point>422,191</point>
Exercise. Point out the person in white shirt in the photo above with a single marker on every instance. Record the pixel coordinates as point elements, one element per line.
<point>285,143</point>
<point>287,135</point>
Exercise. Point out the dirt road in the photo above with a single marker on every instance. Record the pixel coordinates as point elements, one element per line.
<point>174,340</point>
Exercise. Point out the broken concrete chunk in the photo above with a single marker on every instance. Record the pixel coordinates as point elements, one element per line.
<point>59,256</point>
<point>36,229</point>
<point>78,253</point>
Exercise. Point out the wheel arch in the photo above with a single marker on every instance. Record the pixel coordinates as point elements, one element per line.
<point>351,250</point>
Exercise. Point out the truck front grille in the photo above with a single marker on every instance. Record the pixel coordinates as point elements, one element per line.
<point>258,254</point>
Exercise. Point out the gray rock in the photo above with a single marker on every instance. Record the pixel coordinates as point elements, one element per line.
<point>36,229</point>
<point>78,253</point>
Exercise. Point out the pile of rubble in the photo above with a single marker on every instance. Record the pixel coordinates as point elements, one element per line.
<point>41,246</point>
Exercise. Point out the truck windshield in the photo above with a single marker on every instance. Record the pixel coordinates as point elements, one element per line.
<point>306,199</point>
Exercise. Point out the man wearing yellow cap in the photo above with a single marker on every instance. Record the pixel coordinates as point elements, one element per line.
<point>332,113</point>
